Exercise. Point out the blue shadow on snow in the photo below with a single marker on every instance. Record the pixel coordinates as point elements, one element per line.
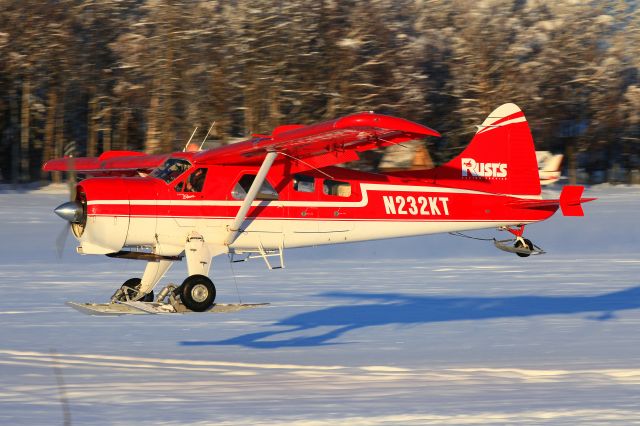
<point>370,310</point>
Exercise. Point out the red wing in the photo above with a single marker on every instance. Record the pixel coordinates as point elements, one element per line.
<point>330,142</point>
<point>108,164</point>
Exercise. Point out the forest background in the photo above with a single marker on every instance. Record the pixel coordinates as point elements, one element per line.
<point>83,77</point>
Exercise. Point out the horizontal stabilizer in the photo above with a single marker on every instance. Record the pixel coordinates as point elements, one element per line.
<point>570,201</point>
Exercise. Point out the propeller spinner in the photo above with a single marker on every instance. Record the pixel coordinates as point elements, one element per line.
<point>71,211</point>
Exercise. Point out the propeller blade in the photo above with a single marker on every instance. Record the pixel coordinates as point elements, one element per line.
<point>61,240</point>
<point>69,213</point>
<point>71,178</point>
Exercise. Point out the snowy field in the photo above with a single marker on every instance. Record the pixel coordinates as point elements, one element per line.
<point>434,330</point>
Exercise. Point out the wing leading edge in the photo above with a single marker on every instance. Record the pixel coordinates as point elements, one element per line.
<point>302,147</point>
<point>109,163</point>
<point>322,144</point>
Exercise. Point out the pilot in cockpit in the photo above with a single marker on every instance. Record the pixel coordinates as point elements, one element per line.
<point>195,182</point>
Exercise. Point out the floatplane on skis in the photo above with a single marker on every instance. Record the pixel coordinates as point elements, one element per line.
<point>256,198</point>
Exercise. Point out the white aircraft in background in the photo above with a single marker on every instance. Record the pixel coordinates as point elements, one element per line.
<point>549,166</point>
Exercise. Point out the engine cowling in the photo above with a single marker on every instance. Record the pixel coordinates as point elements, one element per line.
<point>112,213</point>
<point>105,219</point>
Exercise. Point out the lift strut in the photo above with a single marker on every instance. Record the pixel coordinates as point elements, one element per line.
<point>234,228</point>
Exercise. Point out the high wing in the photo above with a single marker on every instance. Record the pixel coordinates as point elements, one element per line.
<point>314,146</point>
<point>108,164</point>
<point>319,145</point>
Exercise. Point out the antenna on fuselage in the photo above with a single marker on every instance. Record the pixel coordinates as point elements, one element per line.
<point>187,144</point>
<point>207,135</point>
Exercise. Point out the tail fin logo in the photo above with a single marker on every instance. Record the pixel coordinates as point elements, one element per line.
<point>471,169</point>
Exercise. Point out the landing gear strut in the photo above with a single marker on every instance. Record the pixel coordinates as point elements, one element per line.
<point>197,293</point>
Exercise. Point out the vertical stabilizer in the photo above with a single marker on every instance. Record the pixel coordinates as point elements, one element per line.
<point>501,157</point>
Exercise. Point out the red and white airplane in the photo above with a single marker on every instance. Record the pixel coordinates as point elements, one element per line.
<point>279,191</point>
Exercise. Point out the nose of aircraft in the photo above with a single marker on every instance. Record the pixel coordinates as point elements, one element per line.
<point>70,211</point>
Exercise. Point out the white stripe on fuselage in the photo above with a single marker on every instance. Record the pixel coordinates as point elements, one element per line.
<point>366,187</point>
<point>275,233</point>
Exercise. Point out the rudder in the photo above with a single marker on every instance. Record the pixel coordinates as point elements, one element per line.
<point>500,158</point>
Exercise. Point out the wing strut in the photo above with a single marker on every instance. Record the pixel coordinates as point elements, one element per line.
<point>234,228</point>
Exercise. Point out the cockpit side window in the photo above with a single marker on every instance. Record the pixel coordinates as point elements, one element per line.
<point>171,169</point>
<point>195,181</point>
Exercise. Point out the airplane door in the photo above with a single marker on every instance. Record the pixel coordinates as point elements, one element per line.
<point>334,227</point>
<point>187,205</point>
<point>262,224</point>
<point>302,212</point>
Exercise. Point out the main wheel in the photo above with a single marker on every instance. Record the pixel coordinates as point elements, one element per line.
<point>527,243</point>
<point>197,293</point>
<point>131,288</point>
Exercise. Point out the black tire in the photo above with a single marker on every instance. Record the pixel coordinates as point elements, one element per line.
<point>131,287</point>
<point>197,293</point>
<point>529,245</point>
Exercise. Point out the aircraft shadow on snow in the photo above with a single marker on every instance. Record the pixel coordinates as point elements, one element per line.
<point>370,310</point>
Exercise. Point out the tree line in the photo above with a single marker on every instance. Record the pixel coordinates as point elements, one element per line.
<point>82,77</point>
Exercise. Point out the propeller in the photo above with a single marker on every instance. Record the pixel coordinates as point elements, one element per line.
<point>70,211</point>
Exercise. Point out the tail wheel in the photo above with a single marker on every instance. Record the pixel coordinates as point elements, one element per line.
<point>131,288</point>
<point>197,293</point>
<point>527,244</point>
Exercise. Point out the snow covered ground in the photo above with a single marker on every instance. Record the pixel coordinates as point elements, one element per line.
<point>433,330</point>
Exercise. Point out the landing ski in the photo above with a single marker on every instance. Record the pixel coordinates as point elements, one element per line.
<point>141,308</point>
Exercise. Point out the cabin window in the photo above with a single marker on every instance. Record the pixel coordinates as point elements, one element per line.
<point>171,169</point>
<point>335,187</point>
<point>240,190</point>
<point>304,183</point>
<point>195,182</point>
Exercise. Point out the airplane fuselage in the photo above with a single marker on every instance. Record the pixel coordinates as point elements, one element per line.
<point>273,192</point>
<point>327,206</point>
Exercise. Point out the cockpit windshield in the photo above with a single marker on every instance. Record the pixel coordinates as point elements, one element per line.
<point>171,169</point>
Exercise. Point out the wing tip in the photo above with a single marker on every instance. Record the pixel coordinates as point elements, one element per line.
<point>55,165</point>
<point>386,122</point>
